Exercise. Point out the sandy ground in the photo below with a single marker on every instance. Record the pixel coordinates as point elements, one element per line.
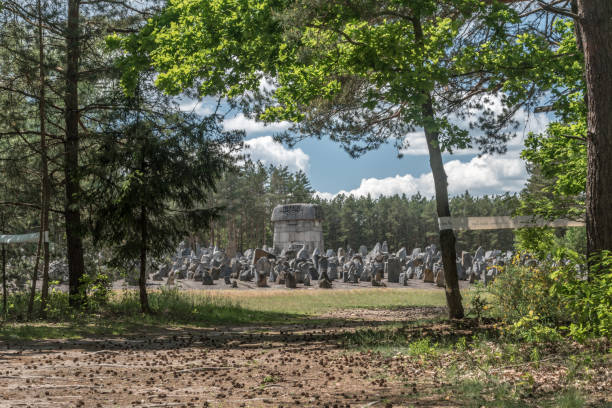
<point>222,367</point>
<point>290,366</point>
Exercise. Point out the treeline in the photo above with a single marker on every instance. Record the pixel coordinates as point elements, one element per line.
<point>411,221</point>
<point>247,198</point>
<point>249,195</point>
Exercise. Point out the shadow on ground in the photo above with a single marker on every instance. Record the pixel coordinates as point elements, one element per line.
<point>342,358</point>
<point>333,331</point>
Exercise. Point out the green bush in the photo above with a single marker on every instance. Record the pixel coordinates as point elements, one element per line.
<point>543,302</point>
<point>588,303</point>
<point>98,289</point>
<point>545,240</point>
<point>57,306</point>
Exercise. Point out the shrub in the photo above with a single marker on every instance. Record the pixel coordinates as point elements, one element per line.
<point>98,290</point>
<point>538,303</point>
<point>478,302</point>
<point>588,303</point>
<point>521,291</point>
<point>58,307</point>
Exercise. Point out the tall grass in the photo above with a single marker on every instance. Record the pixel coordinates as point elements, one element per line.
<point>235,306</point>
<point>120,311</point>
<point>57,307</point>
<point>191,307</point>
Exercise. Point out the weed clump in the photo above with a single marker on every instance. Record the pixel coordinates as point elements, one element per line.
<point>555,299</point>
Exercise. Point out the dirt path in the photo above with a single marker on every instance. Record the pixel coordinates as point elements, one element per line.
<point>300,365</point>
<point>288,366</point>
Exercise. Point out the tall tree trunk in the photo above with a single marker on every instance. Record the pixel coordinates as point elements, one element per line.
<point>43,158</point>
<point>144,233</point>
<point>230,242</point>
<point>215,234</point>
<point>231,237</point>
<point>4,291</point>
<point>74,240</point>
<point>4,294</point>
<point>241,233</point>
<point>596,35</point>
<point>142,279</point>
<point>447,236</point>
<point>44,166</point>
<point>44,296</point>
<point>35,272</point>
<point>263,231</point>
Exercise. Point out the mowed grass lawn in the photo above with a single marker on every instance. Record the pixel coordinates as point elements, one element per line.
<point>319,301</point>
<point>201,308</point>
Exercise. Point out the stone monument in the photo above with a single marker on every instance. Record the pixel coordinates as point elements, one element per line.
<point>298,224</point>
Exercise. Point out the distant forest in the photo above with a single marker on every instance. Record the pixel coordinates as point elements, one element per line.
<point>249,195</point>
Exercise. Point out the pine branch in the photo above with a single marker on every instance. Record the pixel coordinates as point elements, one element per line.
<point>30,18</point>
<point>28,205</point>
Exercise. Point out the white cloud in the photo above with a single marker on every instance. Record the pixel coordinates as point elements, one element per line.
<point>264,148</point>
<point>486,175</point>
<point>200,107</point>
<point>207,106</point>
<point>416,145</point>
<point>241,122</point>
<point>531,122</point>
<point>324,196</point>
<point>481,175</point>
<point>393,185</point>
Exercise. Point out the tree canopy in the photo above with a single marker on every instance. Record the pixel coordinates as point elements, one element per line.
<point>361,73</point>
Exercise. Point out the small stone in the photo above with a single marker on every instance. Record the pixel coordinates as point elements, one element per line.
<point>262,280</point>
<point>440,278</point>
<point>325,284</point>
<point>290,280</point>
<point>207,279</point>
<point>428,276</point>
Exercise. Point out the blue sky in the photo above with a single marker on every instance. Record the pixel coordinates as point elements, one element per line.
<point>331,170</point>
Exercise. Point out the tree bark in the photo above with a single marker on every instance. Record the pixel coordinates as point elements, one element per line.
<point>242,223</point>
<point>4,294</point>
<point>447,236</point>
<point>44,165</point>
<point>144,233</point>
<point>44,296</point>
<point>74,240</point>
<point>35,272</point>
<point>43,159</point>
<point>142,279</point>
<point>596,38</point>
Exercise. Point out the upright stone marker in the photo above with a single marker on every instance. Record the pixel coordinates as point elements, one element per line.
<point>298,224</point>
<point>393,269</point>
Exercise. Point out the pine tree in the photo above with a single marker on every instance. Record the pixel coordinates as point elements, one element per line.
<point>155,176</point>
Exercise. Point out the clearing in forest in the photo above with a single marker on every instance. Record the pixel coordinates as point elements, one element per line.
<point>366,347</point>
